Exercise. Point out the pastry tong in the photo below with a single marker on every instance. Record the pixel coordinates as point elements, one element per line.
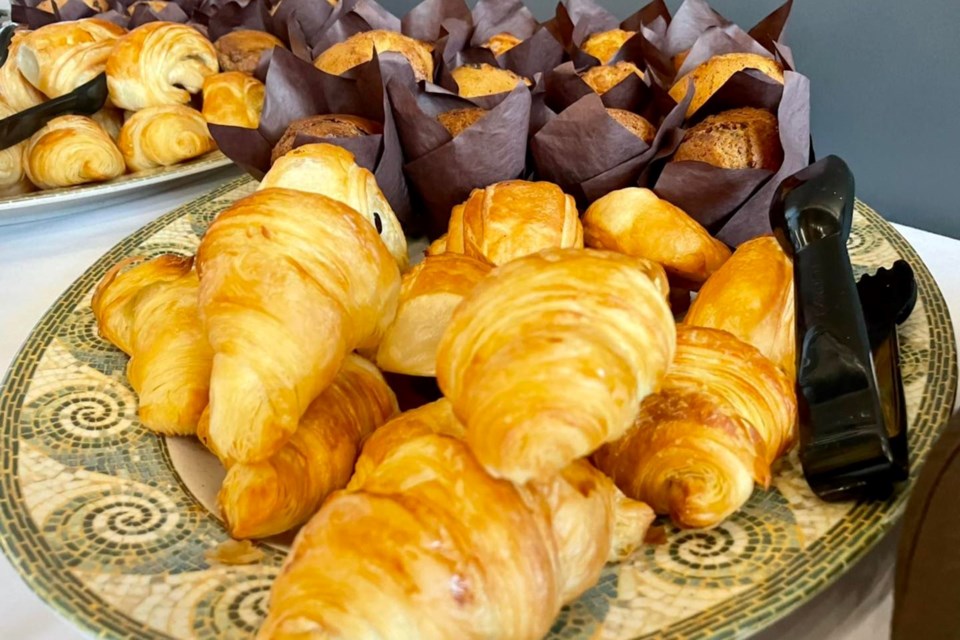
<point>853,426</point>
<point>86,100</point>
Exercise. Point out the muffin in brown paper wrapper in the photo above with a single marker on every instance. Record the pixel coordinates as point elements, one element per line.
<point>443,169</point>
<point>182,11</point>
<point>294,89</point>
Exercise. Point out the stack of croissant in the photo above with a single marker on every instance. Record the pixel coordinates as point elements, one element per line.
<point>153,73</point>
<point>574,407</point>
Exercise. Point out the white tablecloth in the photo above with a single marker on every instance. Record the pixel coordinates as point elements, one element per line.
<point>38,261</point>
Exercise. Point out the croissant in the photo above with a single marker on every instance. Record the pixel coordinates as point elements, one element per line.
<point>724,414</point>
<point>163,136</point>
<point>512,219</point>
<point>111,120</point>
<point>265,498</point>
<point>13,178</point>
<point>430,546</point>
<point>15,90</point>
<point>148,309</point>
<point>159,63</point>
<point>233,98</point>
<point>437,247</point>
<point>333,172</point>
<point>751,296</point>
<point>428,295</point>
<point>550,355</point>
<point>60,57</point>
<point>71,150</point>
<point>290,283</point>
<point>636,222</point>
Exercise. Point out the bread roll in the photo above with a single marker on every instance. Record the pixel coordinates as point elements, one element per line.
<point>458,120</point>
<point>636,222</point>
<point>475,80</point>
<point>745,138</point>
<point>162,136</point>
<point>97,5</point>
<point>15,90</point>
<point>500,43</point>
<point>604,45</point>
<point>233,98</point>
<point>159,63</point>
<point>241,50</point>
<point>71,150</point>
<point>60,57</point>
<point>429,293</point>
<point>359,47</point>
<point>712,74</point>
<point>13,177</point>
<point>605,77</point>
<point>515,218</point>
<point>635,124</point>
<point>324,126</point>
<point>333,172</point>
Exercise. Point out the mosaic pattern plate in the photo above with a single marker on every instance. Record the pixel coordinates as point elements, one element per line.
<point>109,523</point>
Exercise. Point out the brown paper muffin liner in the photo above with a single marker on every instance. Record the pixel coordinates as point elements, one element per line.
<point>181,11</point>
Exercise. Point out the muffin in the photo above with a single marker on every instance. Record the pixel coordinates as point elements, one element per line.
<point>241,50</point>
<point>324,126</point>
<point>604,45</point>
<point>712,74</point>
<point>745,138</point>
<point>501,43</point>
<point>635,124</point>
<point>456,121</point>
<point>605,77</point>
<point>475,80</point>
<point>359,48</point>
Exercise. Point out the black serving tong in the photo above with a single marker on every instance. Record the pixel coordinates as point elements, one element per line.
<point>852,420</point>
<point>86,100</point>
<point>6,36</point>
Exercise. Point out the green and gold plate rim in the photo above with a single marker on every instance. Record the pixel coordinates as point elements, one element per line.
<point>749,611</point>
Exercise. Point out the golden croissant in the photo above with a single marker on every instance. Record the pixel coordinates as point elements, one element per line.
<point>290,283</point>
<point>751,296</point>
<point>159,63</point>
<point>149,310</point>
<point>430,546</point>
<point>636,222</point>
<point>15,90</point>
<point>163,136</point>
<point>551,354</point>
<point>332,171</point>
<point>60,57</point>
<point>13,177</point>
<point>72,150</point>
<point>265,498</point>
<point>429,293</point>
<point>233,98</point>
<point>111,120</point>
<point>724,414</point>
<point>515,218</point>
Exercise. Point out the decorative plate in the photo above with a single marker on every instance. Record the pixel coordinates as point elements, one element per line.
<point>53,203</point>
<point>110,523</point>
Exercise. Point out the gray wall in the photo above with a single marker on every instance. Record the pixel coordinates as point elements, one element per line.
<point>885,76</point>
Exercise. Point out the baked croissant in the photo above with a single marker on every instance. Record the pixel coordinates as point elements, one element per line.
<point>512,219</point>
<point>723,415</point>
<point>265,498</point>
<point>163,136</point>
<point>149,311</point>
<point>15,90</point>
<point>13,177</point>
<point>333,172</point>
<point>428,295</point>
<point>550,355</point>
<point>111,120</point>
<point>290,283</point>
<point>751,296</point>
<point>159,63</point>
<point>430,546</point>
<point>233,98</point>
<point>636,222</point>
<point>71,150</point>
<point>60,57</point>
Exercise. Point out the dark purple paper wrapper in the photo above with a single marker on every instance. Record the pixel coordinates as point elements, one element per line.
<point>443,170</point>
<point>182,11</point>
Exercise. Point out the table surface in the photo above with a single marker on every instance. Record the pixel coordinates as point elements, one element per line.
<point>38,261</point>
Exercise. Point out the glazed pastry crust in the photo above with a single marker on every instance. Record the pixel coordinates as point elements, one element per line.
<point>157,64</point>
<point>15,90</point>
<point>331,171</point>
<point>163,136</point>
<point>476,80</point>
<point>233,98</point>
<point>636,222</point>
<point>511,219</point>
<point>604,45</point>
<point>71,150</point>
<point>712,74</point>
<point>359,48</point>
<point>550,355</point>
<point>290,283</point>
<point>242,49</point>
<point>13,176</point>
